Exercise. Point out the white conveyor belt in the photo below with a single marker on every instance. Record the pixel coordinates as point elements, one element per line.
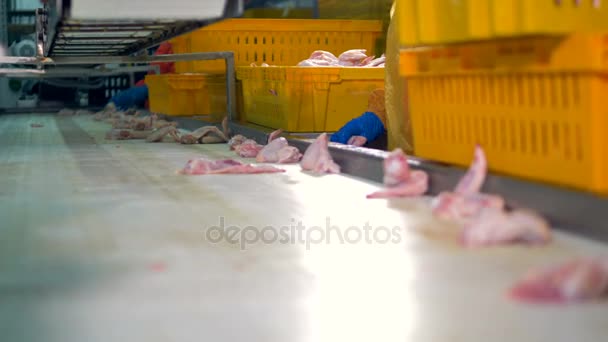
<point>103,241</point>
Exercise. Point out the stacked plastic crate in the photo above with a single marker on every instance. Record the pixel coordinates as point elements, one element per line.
<point>297,99</point>
<point>525,79</point>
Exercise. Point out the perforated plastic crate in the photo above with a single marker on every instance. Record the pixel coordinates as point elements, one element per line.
<point>306,99</point>
<point>283,42</point>
<point>200,95</point>
<point>440,21</point>
<point>537,106</point>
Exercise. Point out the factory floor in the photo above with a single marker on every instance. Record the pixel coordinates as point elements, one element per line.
<point>103,241</point>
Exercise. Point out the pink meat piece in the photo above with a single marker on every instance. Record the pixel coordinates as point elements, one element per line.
<point>578,280</point>
<point>274,135</point>
<point>317,157</point>
<point>357,140</point>
<point>248,149</point>
<point>473,180</point>
<point>288,155</point>
<point>460,208</point>
<point>377,62</point>
<point>494,226</point>
<point>396,168</point>
<point>416,185</point>
<point>352,57</point>
<point>324,56</point>
<point>279,151</point>
<point>398,178</point>
<point>202,166</point>
<point>236,141</point>
<point>315,63</point>
<point>366,61</point>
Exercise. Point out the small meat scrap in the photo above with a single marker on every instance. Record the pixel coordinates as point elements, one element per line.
<point>577,280</point>
<point>160,134</point>
<point>317,158</point>
<point>36,125</point>
<point>400,180</point>
<point>203,166</point>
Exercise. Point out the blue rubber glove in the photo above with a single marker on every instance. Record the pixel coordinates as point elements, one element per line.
<point>132,97</point>
<point>367,125</point>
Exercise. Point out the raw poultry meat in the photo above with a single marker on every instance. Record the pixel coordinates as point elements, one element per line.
<point>464,203</point>
<point>279,151</point>
<point>248,148</point>
<point>275,134</point>
<point>205,134</point>
<point>317,158</point>
<point>350,58</point>
<point>357,140</point>
<point>321,55</point>
<point>460,208</point>
<point>399,179</point>
<point>236,141</point>
<point>126,134</point>
<point>159,134</point>
<point>578,280</point>
<point>202,166</point>
<point>482,217</point>
<point>493,226</point>
<point>473,180</point>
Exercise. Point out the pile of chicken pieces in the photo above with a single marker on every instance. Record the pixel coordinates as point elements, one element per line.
<point>350,58</point>
<point>482,220</point>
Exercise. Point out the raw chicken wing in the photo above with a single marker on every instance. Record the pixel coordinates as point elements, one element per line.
<point>317,158</point>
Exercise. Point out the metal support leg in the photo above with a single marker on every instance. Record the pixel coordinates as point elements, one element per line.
<point>230,88</point>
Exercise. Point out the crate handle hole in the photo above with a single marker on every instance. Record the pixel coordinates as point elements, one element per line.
<point>558,2</point>
<point>597,3</point>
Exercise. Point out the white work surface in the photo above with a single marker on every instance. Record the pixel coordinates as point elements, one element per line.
<point>103,241</point>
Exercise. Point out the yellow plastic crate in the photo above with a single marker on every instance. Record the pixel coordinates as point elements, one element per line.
<point>306,99</point>
<point>446,21</point>
<point>188,95</point>
<point>539,107</point>
<point>283,42</point>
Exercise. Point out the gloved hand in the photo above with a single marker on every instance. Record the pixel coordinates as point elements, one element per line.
<point>129,98</point>
<point>366,127</point>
